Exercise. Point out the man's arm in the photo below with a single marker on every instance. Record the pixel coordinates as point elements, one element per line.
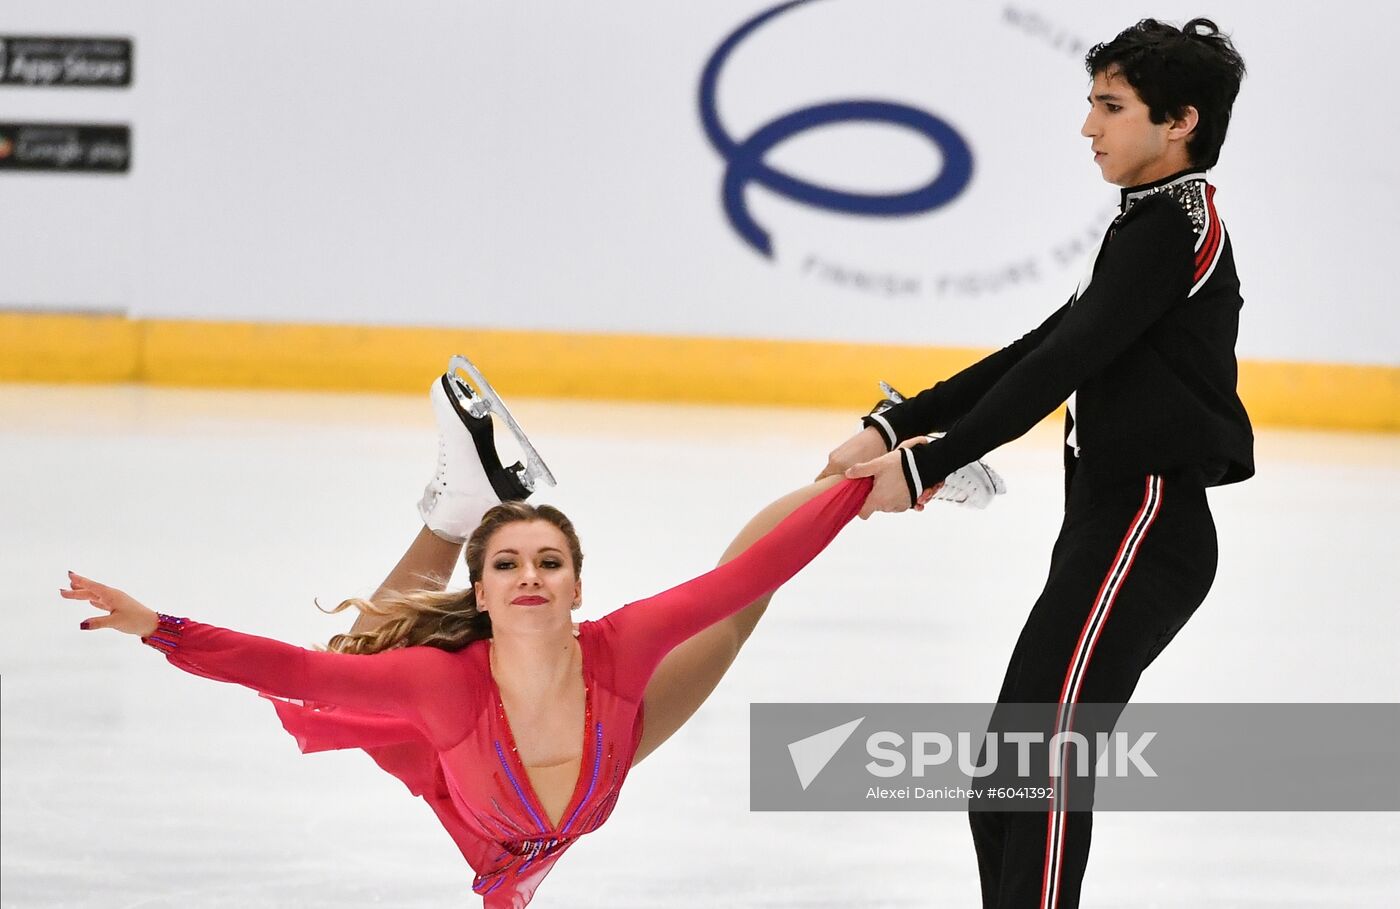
<point>1147,268</point>
<point>936,409</point>
<point>933,409</point>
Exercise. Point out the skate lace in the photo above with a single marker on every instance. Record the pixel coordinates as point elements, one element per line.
<point>441,469</point>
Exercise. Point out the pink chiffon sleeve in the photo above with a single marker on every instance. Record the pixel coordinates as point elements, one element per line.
<point>646,630</point>
<point>413,686</point>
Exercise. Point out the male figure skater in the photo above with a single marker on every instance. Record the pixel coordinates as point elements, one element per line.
<point>1144,352</point>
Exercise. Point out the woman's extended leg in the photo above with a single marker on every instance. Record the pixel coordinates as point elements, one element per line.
<point>688,674</point>
<point>469,480</point>
<point>426,565</point>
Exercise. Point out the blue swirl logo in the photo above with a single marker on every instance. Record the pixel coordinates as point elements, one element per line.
<point>745,162</point>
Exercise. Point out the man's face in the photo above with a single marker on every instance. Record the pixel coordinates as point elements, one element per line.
<point>1128,147</point>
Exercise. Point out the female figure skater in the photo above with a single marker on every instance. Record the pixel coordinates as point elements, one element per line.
<point>516,727</point>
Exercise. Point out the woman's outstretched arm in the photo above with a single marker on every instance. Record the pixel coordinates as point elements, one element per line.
<point>408,683</point>
<point>689,674</point>
<point>647,630</point>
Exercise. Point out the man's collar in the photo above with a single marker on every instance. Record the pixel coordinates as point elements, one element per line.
<point>1132,194</point>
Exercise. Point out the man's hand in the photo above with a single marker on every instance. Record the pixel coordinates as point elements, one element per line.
<point>866,445</point>
<point>890,492</point>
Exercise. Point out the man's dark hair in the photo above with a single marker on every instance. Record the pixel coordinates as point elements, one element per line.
<point>1172,69</point>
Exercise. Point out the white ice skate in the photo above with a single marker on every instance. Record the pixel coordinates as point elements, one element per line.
<point>972,485</point>
<point>470,478</point>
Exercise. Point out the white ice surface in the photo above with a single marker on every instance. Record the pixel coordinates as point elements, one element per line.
<point>129,784</point>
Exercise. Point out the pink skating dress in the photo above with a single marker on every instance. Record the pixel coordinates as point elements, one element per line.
<point>434,719</point>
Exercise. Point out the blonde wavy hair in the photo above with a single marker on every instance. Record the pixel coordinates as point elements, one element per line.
<point>448,619</point>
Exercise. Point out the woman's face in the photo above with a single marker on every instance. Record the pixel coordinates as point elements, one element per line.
<point>528,580</point>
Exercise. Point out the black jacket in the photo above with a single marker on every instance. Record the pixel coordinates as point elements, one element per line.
<point>1148,345</point>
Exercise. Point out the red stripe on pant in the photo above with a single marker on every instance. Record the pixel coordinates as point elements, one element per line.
<point>1113,581</point>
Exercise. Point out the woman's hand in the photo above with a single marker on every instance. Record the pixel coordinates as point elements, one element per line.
<point>866,445</point>
<point>890,492</point>
<point>122,612</point>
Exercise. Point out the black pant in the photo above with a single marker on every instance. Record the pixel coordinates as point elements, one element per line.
<point>1134,559</point>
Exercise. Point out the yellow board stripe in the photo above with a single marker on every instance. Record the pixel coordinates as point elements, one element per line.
<point>63,347</point>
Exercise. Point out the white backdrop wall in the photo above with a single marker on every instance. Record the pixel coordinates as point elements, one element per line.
<point>544,165</point>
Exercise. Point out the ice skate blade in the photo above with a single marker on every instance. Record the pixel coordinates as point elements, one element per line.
<point>467,398</point>
<point>482,399</point>
<point>893,396</point>
<point>890,399</point>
